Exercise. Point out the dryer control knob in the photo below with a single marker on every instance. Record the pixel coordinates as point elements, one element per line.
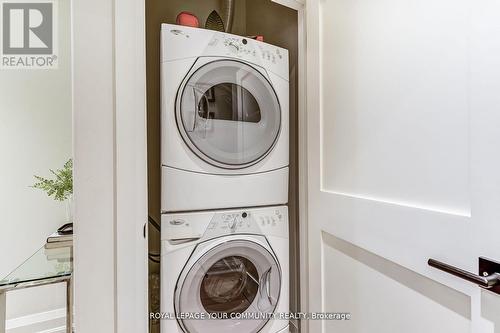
<point>233,225</point>
<point>233,47</point>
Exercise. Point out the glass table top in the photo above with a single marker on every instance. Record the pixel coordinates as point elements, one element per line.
<point>44,264</point>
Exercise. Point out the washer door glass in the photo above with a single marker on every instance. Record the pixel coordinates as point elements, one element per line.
<point>228,114</point>
<point>235,285</point>
<point>229,286</point>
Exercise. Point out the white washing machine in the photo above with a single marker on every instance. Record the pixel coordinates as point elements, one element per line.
<point>224,120</point>
<point>225,271</point>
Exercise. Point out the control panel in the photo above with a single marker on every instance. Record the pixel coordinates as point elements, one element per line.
<point>239,46</point>
<point>180,43</point>
<point>270,54</point>
<point>207,225</point>
<point>247,49</point>
<point>231,222</point>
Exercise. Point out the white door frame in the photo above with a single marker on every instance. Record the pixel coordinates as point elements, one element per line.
<point>110,166</point>
<point>303,105</point>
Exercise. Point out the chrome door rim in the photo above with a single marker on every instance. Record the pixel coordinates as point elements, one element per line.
<point>189,142</point>
<point>191,263</point>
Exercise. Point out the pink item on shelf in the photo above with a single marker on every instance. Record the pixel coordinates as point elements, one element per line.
<point>260,38</point>
<point>187,19</point>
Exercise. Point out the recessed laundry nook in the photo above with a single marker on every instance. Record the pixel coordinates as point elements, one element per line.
<point>223,168</point>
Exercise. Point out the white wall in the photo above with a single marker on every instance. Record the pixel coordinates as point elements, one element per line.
<point>35,135</point>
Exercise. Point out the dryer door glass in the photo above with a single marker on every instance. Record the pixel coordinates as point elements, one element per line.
<point>228,114</point>
<point>234,284</point>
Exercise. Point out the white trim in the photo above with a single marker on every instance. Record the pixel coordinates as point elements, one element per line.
<point>313,93</point>
<point>37,322</point>
<point>298,5</point>
<point>131,167</point>
<point>301,7</point>
<point>303,165</point>
<point>60,329</point>
<point>94,167</point>
<point>110,166</point>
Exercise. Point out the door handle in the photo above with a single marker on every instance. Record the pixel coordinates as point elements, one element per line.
<point>488,277</point>
<point>265,302</point>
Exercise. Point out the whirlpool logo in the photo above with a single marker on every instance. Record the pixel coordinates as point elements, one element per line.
<point>29,35</point>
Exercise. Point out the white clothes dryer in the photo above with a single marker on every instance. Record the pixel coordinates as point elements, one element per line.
<point>225,271</point>
<point>224,120</point>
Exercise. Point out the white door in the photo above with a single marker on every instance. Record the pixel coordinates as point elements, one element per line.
<point>403,162</point>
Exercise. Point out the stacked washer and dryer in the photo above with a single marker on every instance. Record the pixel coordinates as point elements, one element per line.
<point>225,142</point>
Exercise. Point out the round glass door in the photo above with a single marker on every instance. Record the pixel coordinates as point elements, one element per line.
<point>228,114</point>
<point>236,285</point>
<point>229,286</point>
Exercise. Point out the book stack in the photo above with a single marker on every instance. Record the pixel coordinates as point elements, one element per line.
<point>57,240</point>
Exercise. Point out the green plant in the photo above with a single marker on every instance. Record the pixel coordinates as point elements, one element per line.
<point>61,187</point>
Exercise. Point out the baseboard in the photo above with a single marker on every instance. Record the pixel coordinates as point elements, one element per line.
<point>60,329</point>
<point>44,322</point>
